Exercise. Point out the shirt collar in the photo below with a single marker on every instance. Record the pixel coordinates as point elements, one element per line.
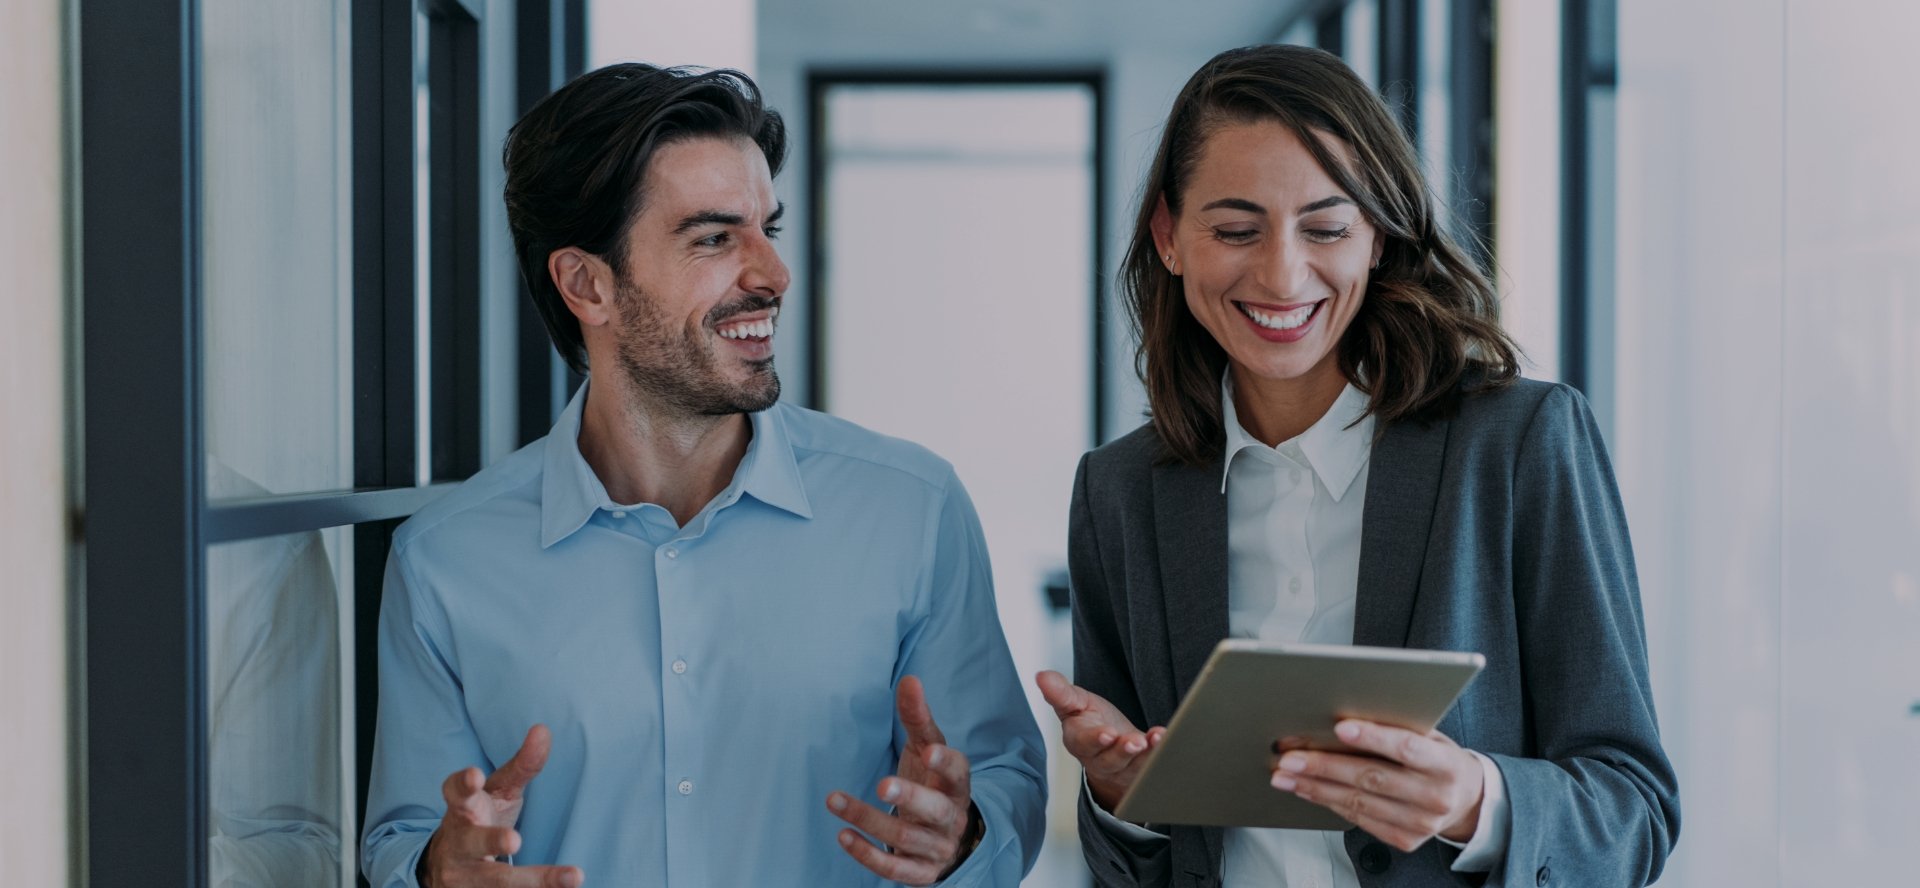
<point>570,492</point>
<point>1336,447</point>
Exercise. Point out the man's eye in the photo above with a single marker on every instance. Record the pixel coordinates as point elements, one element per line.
<point>772,232</point>
<point>712,240</point>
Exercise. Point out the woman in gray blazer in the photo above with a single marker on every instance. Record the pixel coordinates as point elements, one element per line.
<point>1341,451</point>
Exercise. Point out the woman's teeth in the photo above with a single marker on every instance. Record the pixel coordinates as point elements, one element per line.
<point>1284,320</point>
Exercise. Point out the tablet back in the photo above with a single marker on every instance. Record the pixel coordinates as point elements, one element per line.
<point>1216,762</point>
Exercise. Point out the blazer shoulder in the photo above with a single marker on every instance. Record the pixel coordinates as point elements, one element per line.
<point>1128,458</point>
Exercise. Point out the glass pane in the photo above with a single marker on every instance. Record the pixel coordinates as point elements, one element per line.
<point>277,715</point>
<point>959,308</point>
<point>275,192</point>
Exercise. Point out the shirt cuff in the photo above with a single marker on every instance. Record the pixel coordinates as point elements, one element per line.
<point>1488,846</point>
<point>1132,833</point>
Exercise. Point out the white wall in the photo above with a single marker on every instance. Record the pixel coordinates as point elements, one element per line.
<point>1767,429</point>
<point>34,839</point>
<point>1527,179</point>
<point>708,34</point>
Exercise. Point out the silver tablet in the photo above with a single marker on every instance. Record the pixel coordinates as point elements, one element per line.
<point>1214,766</point>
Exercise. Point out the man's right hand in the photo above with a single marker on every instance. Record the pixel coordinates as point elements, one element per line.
<point>478,827</point>
<point>1106,742</point>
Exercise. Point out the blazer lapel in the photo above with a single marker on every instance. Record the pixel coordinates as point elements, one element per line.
<point>1190,523</point>
<point>1403,485</point>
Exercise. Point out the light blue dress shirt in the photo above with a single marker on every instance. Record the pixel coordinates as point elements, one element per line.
<point>707,686</point>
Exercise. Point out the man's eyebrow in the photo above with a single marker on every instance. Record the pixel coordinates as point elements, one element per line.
<point>721,217</point>
<point>708,217</point>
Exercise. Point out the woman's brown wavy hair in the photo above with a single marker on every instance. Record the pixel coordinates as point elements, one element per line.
<point>1428,328</point>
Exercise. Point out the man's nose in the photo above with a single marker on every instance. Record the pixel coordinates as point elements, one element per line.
<point>765,272</point>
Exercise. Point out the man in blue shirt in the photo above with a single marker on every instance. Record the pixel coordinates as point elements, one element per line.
<point>695,636</point>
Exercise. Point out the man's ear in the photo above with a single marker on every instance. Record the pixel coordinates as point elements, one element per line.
<point>1162,227</point>
<point>586,283</point>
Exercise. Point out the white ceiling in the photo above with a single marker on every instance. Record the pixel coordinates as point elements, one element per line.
<point>1007,32</point>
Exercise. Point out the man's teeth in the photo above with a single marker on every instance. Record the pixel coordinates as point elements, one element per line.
<point>755,330</point>
<point>1285,320</point>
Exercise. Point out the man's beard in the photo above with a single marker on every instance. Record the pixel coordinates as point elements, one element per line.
<point>679,371</point>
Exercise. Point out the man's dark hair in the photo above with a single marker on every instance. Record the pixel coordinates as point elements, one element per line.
<point>577,162</point>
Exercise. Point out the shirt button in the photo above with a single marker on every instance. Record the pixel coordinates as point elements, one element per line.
<point>1293,585</point>
<point>686,787</point>
<point>672,554</point>
<point>619,514</point>
<point>679,667</point>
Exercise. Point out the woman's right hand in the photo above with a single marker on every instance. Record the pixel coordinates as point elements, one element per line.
<point>1106,742</point>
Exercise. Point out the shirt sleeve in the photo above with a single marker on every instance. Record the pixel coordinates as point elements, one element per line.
<point>1136,836</point>
<point>1483,852</point>
<point>422,735</point>
<point>959,652</point>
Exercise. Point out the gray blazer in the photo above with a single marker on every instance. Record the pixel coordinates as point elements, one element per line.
<point>1500,531</point>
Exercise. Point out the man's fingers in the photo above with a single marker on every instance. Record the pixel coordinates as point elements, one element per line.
<point>924,805</point>
<point>461,789</point>
<point>951,766</point>
<point>512,777</point>
<point>911,699</point>
<point>892,867</point>
<point>906,838</point>
<point>543,877</point>
<point>467,842</point>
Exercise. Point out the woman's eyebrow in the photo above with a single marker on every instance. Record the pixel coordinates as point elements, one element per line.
<point>1238,203</point>
<point>1324,203</point>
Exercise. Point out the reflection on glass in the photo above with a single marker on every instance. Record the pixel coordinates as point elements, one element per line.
<point>274,190</point>
<point>274,705</point>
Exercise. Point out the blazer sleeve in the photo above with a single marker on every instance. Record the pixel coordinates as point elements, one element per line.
<point>1599,804</point>
<point>1100,666</point>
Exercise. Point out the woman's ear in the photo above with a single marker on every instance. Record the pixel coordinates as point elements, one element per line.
<point>1162,227</point>
<point>586,284</point>
<point>1379,247</point>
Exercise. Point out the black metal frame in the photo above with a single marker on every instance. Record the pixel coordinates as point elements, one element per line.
<point>145,788</point>
<point>144,808</point>
<point>1398,35</point>
<point>1586,62</point>
<point>553,50</point>
<point>819,81</point>
<point>1470,130</point>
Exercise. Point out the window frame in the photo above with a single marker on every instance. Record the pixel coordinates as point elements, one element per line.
<point>142,809</point>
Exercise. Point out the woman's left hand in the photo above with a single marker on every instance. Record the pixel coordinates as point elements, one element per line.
<point>1419,786</point>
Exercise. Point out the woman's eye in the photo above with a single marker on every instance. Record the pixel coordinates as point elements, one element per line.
<point>1327,235</point>
<point>1235,236</point>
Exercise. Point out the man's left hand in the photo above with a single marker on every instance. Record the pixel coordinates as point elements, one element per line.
<point>931,795</point>
<point>1419,786</point>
